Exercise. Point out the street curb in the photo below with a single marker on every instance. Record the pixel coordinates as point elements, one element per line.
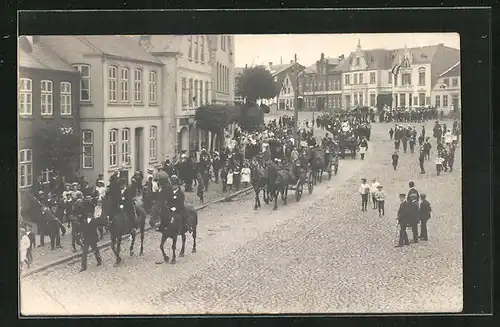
<point>108,243</point>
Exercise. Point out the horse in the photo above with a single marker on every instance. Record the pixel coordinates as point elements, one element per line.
<point>259,180</point>
<point>121,225</point>
<point>317,165</point>
<point>177,224</point>
<point>278,180</point>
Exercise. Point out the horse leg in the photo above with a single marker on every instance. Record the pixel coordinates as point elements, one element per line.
<point>132,244</point>
<point>142,237</point>
<point>275,195</point>
<point>284,194</point>
<point>256,199</point>
<point>162,244</point>
<point>257,196</point>
<point>183,236</point>
<point>118,246</point>
<point>174,243</point>
<point>194,240</point>
<point>265,195</point>
<point>113,246</point>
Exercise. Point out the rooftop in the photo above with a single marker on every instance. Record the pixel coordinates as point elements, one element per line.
<point>40,56</point>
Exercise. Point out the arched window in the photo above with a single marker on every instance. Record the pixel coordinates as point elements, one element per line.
<point>112,84</point>
<point>421,76</point>
<point>124,83</point>
<point>152,86</point>
<point>113,147</point>
<point>137,85</point>
<point>125,147</point>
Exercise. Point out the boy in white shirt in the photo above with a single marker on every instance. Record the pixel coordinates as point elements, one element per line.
<point>380,197</point>
<point>364,190</point>
<point>373,190</point>
<point>439,163</point>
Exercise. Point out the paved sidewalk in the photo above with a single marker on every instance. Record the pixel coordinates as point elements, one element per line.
<point>44,255</point>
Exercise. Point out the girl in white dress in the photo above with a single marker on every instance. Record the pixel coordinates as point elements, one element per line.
<point>245,175</point>
<point>230,179</point>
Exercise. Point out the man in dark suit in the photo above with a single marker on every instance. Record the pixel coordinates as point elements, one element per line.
<point>175,202</point>
<point>403,213</point>
<point>424,214</point>
<point>89,227</point>
<point>126,202</point>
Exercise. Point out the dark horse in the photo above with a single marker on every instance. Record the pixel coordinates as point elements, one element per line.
<point>259,179</point>
<point>176,224</point>
<point>121,225</point>
<point>278,181</point>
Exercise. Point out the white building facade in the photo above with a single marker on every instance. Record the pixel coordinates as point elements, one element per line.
<point>446,93</point>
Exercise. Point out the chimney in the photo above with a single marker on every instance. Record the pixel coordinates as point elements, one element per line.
<point>246,66</point>
<point>270,64</point>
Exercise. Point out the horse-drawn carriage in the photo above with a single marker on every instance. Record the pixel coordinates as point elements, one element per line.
<point>322,161</point>
<point>297,184</point>
<point>348,147</point>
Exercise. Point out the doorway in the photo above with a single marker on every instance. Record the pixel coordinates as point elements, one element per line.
<point>454,101</point>
<point>139,150</point>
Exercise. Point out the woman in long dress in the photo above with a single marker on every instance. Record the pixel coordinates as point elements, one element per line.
<point>245,175</point>
<point>23,249</point>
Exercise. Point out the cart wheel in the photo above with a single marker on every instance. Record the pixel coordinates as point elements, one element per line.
<point>298,193</point>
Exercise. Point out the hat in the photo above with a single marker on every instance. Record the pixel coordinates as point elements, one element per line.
<point>150,170</point>
<point>74,183</point>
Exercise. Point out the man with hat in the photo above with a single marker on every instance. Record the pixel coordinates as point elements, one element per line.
<point>88,228</point>
<point>174,202</point>
<point>403,214</point>
<point>126,202</point>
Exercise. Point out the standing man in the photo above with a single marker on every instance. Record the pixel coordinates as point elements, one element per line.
<point>451,157</point>
<point>421,159</point>
<point>380,197</point>
<point>427,148</point>
<point>395,159</point>
<point>89,227</point>
<point>402,221</point>
<point>364,190</point>
<point>424,214</point>
<point>126,203</point>
<point>413,196</point>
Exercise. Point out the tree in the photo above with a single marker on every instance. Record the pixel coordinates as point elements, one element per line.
<point>57,147</point>
<point>256,83</point>
<point>215,118</point>
<point>252,117</point>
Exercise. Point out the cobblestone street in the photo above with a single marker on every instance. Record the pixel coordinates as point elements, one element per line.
<point>322,254</point>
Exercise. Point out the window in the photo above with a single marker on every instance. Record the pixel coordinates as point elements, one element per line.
<point>137,85</point>
<point>190,93</point>
<point>87,149</point>
<point>355,78</point>
<point>125,146</point>
<point>410,100</point>
<point>196,90</point>
<point>427,100</point>
<point>25,96</point>
<point>347,101</point>
<point>201,93</point>
<point>421,78</point>
<point>390,77</point>
<point>112,84</point>
<point>153,143</point>
<point>361,102</point>
<point>372,100</point>
<point>190,44</point>
<point>46,98</point>
<point>196,48</point>
<point>421,99</point>
<point>124,78</point>
<point>360,78</point>
<point>357,63</point>
<point>454,81</point>
<point>446,81</point>
<point>445,101</point>
<point>65,98</point>
<point>46,175</point>
<point>355,99</point>
<point>84,81</point>
<point>372,78</point>
<point>202,50</point>
<point>26,168</point>
<point>402,100</point>
<point>113,147</point>
<point>206,93</point>
<point>152,87</point>
<point>438,101</point>
<point>406,79</point>
<point>185,95</point>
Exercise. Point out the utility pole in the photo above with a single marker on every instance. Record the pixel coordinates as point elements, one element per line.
<point>296,107</point>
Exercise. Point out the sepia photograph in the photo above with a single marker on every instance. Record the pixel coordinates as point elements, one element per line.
<point>215,174</point>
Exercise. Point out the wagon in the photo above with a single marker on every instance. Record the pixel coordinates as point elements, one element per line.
<point>348,148</point>
<point>298,186</point>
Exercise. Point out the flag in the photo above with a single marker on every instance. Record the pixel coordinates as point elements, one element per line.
<point>395,69</point>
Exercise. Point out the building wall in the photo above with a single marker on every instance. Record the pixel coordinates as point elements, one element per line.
<point>224,56</point>
<point>29,125</point>
<point>450,92</point>
<point>414,89</point>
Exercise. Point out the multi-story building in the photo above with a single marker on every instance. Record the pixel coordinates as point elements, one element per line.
<point>446,93</point>
<point>418,70</point>
<point>48,94</point>
<point>406,75</point>
<point>286,77</point>
<point>321,85</point>
<point>122,119</point>
<point>223,71</point>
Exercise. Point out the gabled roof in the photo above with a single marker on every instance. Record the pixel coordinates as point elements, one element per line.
<point>40,56</point>
<point>120,46</point>
<point>276,69</point>
<point>453,71</point>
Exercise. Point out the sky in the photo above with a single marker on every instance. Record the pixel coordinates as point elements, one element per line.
<point>277,48</point>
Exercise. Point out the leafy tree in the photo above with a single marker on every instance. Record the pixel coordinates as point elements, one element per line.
<point>215,118</point>
<point>256,83</point>
<point>252,117</point>
<point>57,147</point>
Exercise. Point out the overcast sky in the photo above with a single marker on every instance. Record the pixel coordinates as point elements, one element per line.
<point>262,49</point>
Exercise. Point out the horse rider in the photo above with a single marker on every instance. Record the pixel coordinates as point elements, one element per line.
<point>126,203</point>
<point>88,227</point>
<point>296,170</point>
<point>175,203</point>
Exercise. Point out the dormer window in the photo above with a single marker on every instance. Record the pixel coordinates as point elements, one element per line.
<point>357,61</point>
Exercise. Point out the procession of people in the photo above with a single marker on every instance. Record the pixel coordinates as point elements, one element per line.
<point>88,210</point>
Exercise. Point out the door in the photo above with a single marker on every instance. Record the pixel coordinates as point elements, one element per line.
<point>454,102</point>
<point>321,104</point>
<point>139,149</point>
<point>184,139</point>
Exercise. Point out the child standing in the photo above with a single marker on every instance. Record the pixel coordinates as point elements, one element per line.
<point>364,190</point>
<point>32,238</point>
<point>424,214</point>
<point>230,179</point>
<point>245,175</point>
<point>380,196</point>
<point>439,163</point>
<point>395,159</point>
